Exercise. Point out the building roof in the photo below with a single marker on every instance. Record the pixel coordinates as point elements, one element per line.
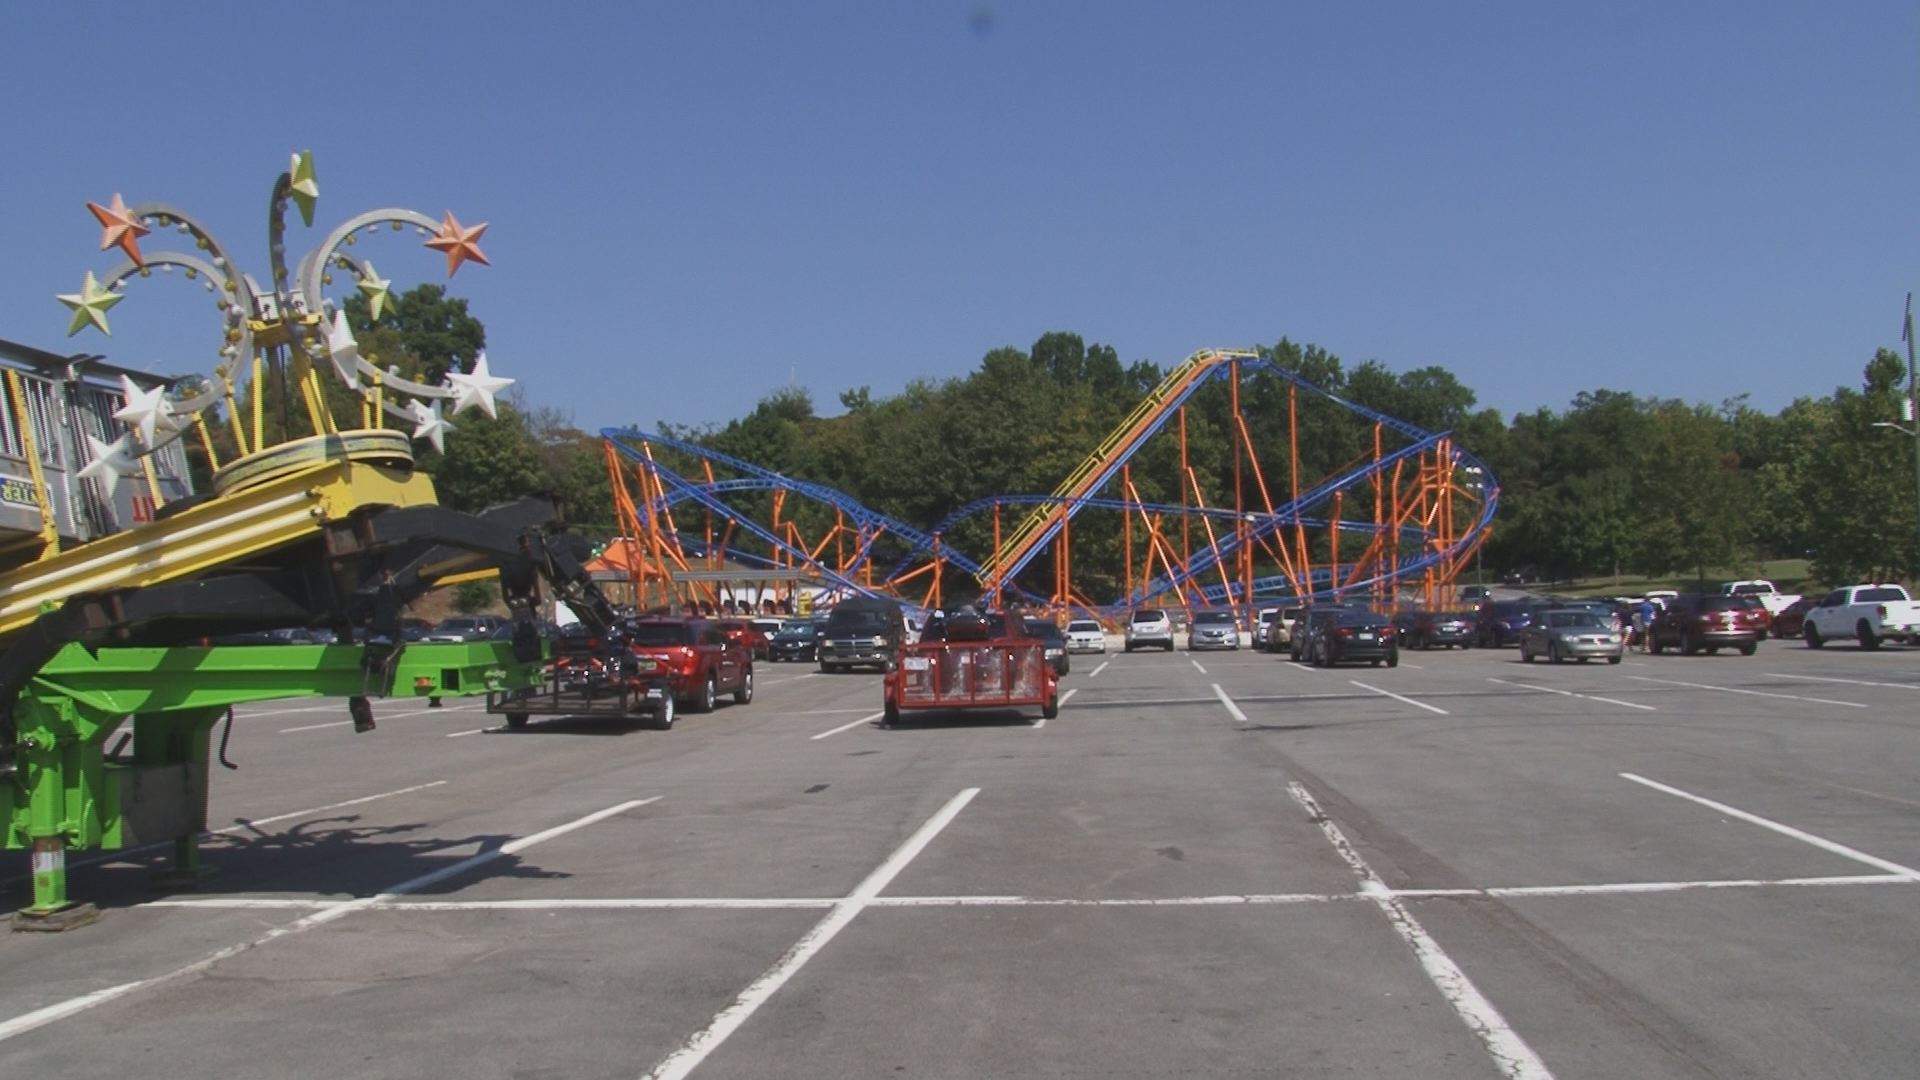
<point>88,364</point>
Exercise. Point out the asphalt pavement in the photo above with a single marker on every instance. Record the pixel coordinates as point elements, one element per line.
<point>1219,864</point>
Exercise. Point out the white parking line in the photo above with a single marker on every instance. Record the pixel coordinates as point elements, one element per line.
<point>20,1025</point>
<point>1401,698</point>
<point>849,726</point>
<point>1096,671</point>
<point>1510,1053</point>
<point>1415,667</point>
<point>1300,665</point>
<point>706,1040</point>
<point>1196,665</point>
<point>1571,694</point>
<point>1232,709</point>
<point>315,727</point>
<point>474,731</point>
<point>1754,693</point>
<point>1820,842</point>
<point>1850,682</point>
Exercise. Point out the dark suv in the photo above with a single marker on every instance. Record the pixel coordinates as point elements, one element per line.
<point>1692,623</point>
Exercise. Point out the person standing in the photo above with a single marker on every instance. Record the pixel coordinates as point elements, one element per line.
<point>1643,616</point>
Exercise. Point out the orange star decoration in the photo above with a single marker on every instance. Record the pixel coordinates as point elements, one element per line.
<point>118,228</point>
<point>459,242</point>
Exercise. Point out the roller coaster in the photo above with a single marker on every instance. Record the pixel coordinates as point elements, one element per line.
<point>1424,506</point>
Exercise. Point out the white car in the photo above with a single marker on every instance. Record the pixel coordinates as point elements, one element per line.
<point>1085,635</point>
<point>1149,626</point>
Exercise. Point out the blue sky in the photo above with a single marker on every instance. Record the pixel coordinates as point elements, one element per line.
<point>692,205</point>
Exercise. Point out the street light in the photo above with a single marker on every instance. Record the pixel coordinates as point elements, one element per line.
<point>1906,413</point>
<point>1480,493</point>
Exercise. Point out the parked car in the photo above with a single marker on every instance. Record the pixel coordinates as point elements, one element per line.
<point>1572,633</point>
<point>795,641</point>
<point>1149,626</point>
<point>1499,622</point>
<point>747,634</point>
<point>1355,634</point>
<point>863,630</point>
<point>1762,590</point>
<point>1792,619</point>
<point>1475,594</point>
<point>1691,623</point>
<point>1085,635</point>
<point>1281,634</point>
<point>1425,629</point>
<point>1759,609</point>
<point>1869,614</point>
<point>1316,621</point>
<point>1213,630</point>
<point>701,659</point>
<point>1049,631</point>
<point>456,628</point>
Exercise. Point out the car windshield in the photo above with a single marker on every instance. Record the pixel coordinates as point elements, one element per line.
<point>858,621</point>
<point>1878,596</point>
<point>1213,618</point>
<point>1506,607</point>
<point>1149,615</point>
<point>660,633</point>
<point>1083,626</point>
<point>461,622</point>
<point>1360,618</point>
<point>1573,619</point>
<point>795,631</point>
<point>1043,628</point>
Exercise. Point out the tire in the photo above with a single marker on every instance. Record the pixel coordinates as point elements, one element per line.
<point>1749,648</point>
<point>1811,633</point>
<point>1653,644</point>
<point>1129,647</point>
<point>663,719</point>
<point>744,695</point>
<point>1613,659</point>
<point>890,714</point>
<point>1526,654</point>
<point>1051,709</point>
<point>1868,639</point>
<point>1553,653</point>
<point>516,721</point>
<point>1688,647</point>
<point>704,702</point>
<point>1393,658</point>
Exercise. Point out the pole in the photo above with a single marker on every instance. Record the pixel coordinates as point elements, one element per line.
<point>1913,417</point>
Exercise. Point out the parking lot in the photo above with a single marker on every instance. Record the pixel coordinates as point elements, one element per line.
<point>1223,864</point>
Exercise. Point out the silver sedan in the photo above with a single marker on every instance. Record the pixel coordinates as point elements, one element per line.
<point>1562,633</point>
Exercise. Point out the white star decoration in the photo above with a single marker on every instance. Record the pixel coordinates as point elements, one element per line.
<point>476,387</point>
<point>113,459</point>
<point>344,350</point>
<point>428,424</point>
<point>146,410</point>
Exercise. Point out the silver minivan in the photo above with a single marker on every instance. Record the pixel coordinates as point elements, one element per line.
<point>1149,626</point>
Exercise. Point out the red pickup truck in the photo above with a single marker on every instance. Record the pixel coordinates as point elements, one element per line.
<point>702,661</point>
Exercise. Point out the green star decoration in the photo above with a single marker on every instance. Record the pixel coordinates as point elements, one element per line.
<point>375,289</point>
<point>305,189</point>
<point>90,305</point>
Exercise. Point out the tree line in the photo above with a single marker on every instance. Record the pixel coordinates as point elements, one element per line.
<point>1613,483</point>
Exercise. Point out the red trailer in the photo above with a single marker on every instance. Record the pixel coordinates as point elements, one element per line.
<point>1007,671</point>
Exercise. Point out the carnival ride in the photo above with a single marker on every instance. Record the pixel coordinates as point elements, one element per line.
<point>325,527</point>
<point>1428,504</point>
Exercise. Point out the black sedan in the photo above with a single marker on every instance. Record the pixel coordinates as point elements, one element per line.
<point>795,641</point>
<point>1357,635</point>
<point>1050,632</point>
<point>1425,629</point>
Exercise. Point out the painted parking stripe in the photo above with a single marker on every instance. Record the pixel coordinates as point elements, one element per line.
<point>1752,693</point>
<point>1571,694</point>
<point>1232,709</point>
<point>39,1018</point>
<point>1510,1053</point>
<point>849,726</point>
<point>1820,842</point>
<point>705,1041</point>
<point>1400,698</point>
<point>1849,682</point>
<point>1196,665</point>
<point>1096,671</point>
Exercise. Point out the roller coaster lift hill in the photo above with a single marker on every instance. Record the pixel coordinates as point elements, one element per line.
<point>103,633</point>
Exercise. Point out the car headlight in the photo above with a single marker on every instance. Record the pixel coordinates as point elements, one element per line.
<point>879,641</point>
<point>1054,652</point>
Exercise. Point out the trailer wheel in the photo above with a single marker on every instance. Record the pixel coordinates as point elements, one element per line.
<point>662,720</point>
<point>516,720</point>
<point>890,713</point>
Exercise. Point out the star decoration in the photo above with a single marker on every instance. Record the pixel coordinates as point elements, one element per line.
<point>118,228</point>
<point>146,410</point>
<point>476,387</point>
<point>428,424</point>
<point>344,351</point>
<point>459,242</point>
<point>111,460</point>
<point>376,289</point>
<point>305,189</point>
<point>90,305</point>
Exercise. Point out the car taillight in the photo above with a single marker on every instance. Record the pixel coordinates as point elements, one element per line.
<point>1343,632</point>
<point>1881,610</point>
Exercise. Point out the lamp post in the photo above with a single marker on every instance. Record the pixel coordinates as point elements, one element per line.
<point>1907,407</point>
<point>1479,493</point>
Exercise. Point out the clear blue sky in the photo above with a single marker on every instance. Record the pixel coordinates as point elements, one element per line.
<point>693,204</point>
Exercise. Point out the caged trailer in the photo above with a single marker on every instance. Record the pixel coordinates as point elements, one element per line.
<point>973,662</point>
<point>593,674</point>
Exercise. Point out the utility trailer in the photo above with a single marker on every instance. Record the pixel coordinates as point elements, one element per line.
<point>956,671</point>
<point>598,677</point>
